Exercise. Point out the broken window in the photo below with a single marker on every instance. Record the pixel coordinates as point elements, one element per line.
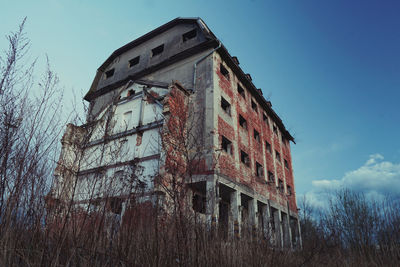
<point>253,105</point>
<point>241,91</point>
<point>226,145</point>
<point>189,35</point>
<point>271,177</point>
<point>257,136</point>
<point>134,61</point>
<point>244,158</point>
<point>224,71</point>
<point>242,122</point>
<point>225,106</point>
<point>286,164</point>
<point>109,73</point>
<point>268,147</point>
<point>278,156</point>
<point>158,50</point>
<point>259,170</point>
<point>280,186</point>
<point>199,203</point>
<point>289,190</point>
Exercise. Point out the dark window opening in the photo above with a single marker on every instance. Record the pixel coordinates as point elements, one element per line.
<point>280,186</point>
<point>271,177</point>
<point>241,91</point>
<point>265,119</point>
<point>158,50</point>
<point>286,164</point>
<point>199,203</point>
<point>278,156</point>
<point>242,122</point>
<point>275,130</point>
<point>268,147</point>
<point>259,170</point>
<point>131,92</point>
<point>253,105</point>
<point>134,61</point>
<point>257,136</point>
<point>244,158</point>
<point>225,106</point>
<point>289,190</point>
<point>226,145</point>
<point>283,140</point>
<point>189,35</point>
<point>224,71</point>
<point>109,73</point>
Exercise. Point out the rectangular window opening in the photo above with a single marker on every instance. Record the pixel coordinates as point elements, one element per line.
<point>271,177</point>
<point>241,91</point>
<point>257,136</point>
<point>289,190</point>
<point>242,122</point>
<point>265,119</point>
<point>268,147</point>
<point>275,130</point>
<point>226,145</point>
<point>259,170</point>
<point>199,203</point>
<point>225,106</point>
<point>244,158</point>
<point>189,35</point>
<point>280,186</point>
<point>278,156</point>
<point>109,73</point>
<point>253,105</point>
<point>286,164</point>
<point>131,92</point>
<point>224,71</point>
<point>134,61</point>
<point>158,50</point>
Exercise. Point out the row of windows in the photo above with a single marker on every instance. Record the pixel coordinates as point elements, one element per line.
<point>226,145</point>
<point>154,52</point>
<point>226,106</point>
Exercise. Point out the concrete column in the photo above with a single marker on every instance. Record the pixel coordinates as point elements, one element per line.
<point>212,204</point>
<point>266,222</point>
<point>278,228</point>
<point>235,214</point>
<point>253,215</point>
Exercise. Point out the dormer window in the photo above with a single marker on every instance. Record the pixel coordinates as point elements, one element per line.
<point>189,35</point>
<point>157,51</point>
<point>109,73</point>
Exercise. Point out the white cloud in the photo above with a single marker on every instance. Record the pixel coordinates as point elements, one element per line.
<point>376,178</point>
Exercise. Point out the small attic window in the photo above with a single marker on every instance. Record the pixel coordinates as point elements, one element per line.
<point>158,50</point>
<point>189,35</point>
<point>109,73</point>
<point>224,71</point>
<point>134,61</point>
<point>241,91</point>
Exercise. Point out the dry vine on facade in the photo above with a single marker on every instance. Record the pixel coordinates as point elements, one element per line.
<point>175,123</point>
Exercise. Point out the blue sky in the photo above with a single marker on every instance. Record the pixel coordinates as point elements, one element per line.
<point>330,68</point>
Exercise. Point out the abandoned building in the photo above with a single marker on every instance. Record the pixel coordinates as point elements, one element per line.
<point>179,81</point>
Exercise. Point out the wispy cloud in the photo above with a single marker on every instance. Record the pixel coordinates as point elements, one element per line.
<point>375,178</point>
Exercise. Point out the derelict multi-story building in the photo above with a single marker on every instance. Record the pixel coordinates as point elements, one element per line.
<point>244,170</point>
